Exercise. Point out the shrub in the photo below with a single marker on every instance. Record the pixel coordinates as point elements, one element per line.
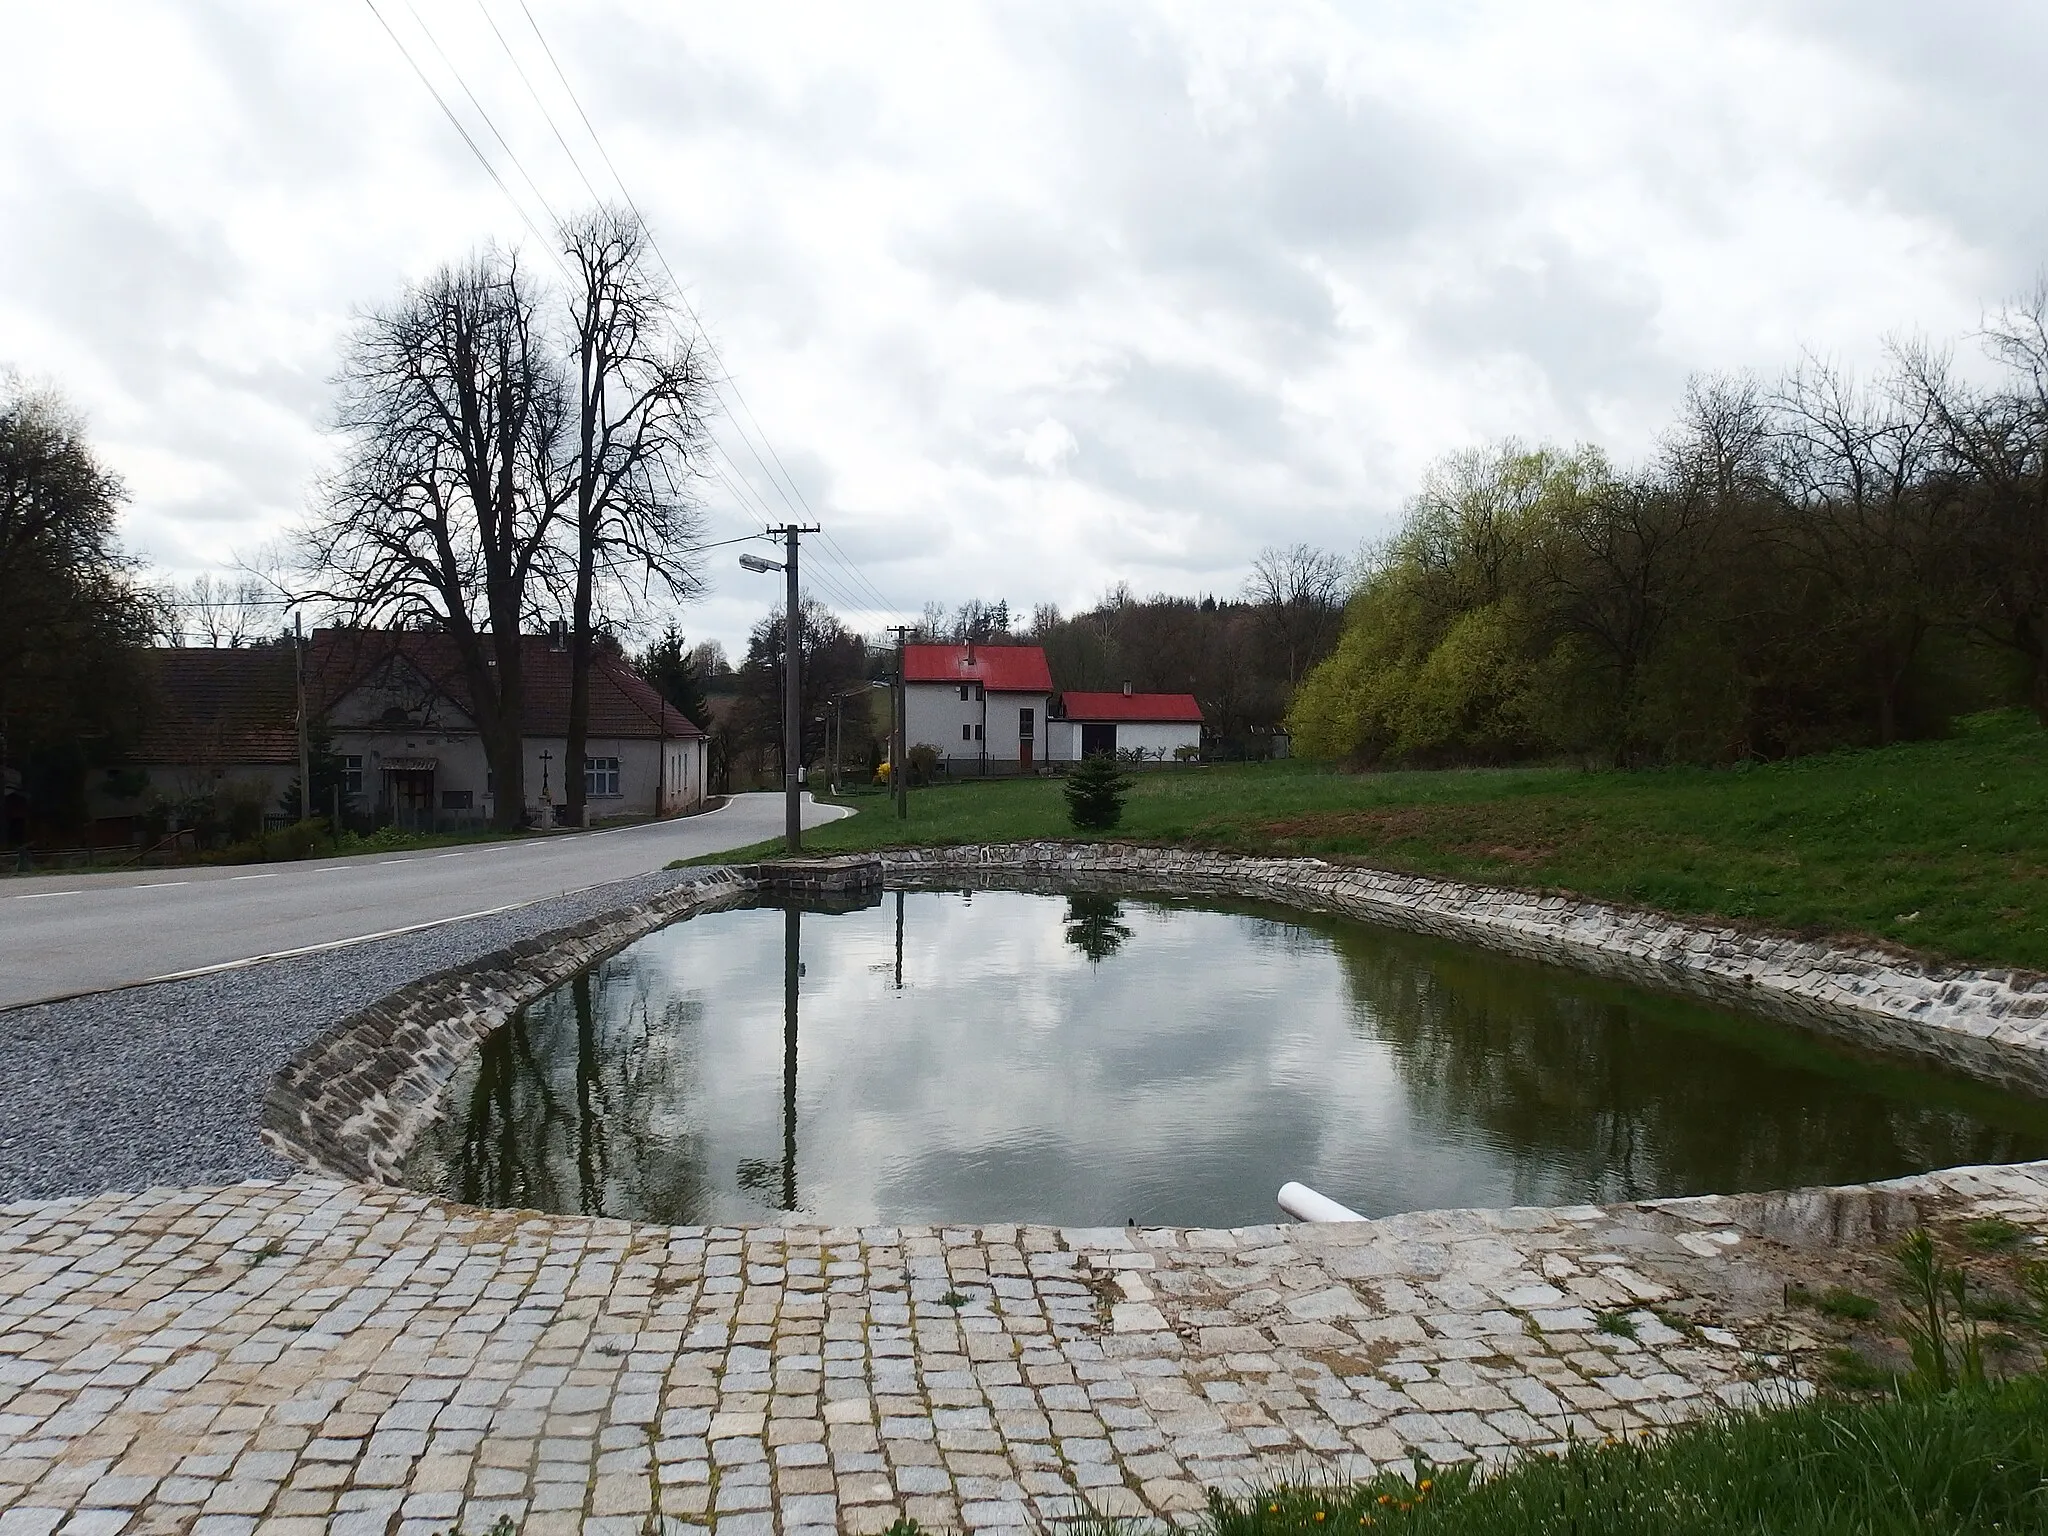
<point>1095,793</point>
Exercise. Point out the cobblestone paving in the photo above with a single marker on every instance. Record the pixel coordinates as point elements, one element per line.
<point>307,1356</point>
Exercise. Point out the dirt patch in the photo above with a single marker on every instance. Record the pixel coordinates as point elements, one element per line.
<point>1475,832</point>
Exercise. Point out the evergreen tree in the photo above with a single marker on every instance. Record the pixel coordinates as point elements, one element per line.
<point>1095,793</point>
<point>672,668</point>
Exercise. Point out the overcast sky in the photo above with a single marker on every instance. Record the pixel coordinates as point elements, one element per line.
<point>1030,299</point>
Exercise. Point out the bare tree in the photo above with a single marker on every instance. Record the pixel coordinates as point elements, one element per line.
<point>1852,466</point>
<point>1300,591</point>
<point>442,512</point>
<point>641,406</point>
<point>225,611</point>
<point>1996,446</point>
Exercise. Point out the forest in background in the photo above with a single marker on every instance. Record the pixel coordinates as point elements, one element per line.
<point>1805,565</point>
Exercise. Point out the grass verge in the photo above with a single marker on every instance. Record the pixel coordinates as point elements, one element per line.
<point>1940,847</point>
<point>1962,1462</point>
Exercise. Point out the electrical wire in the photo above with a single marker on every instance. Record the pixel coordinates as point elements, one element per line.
<point>853,589</point>
<point>858,577</point>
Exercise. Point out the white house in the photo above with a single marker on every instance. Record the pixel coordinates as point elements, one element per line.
<point>396,710</point>
<point>983,707</point>
<point>1163,726</point>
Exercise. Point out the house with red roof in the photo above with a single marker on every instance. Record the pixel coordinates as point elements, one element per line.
<point>993,709</point>
<point>982,707</point>
<point>1162,727</point>
<point>396,709</point>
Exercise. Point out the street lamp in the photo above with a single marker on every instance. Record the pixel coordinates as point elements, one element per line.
<point>792,725</point>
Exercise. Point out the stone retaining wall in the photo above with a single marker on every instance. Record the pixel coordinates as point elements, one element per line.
<point>1991,1024</point>
<point>352,1104</point>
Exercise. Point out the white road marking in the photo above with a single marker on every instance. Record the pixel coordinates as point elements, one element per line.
<point>457,855</point>
<point>381,863</point>
<point>39,895</point>
<point>164,885</point>
<point>271,876</point>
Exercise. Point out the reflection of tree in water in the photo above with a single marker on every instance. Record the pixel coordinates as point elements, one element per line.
<point>573,1106</point>
<point>1095,926</point>
<point>1605,1092</point>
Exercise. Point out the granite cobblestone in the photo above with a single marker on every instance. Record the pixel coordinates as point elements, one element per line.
<point>305,1354</point>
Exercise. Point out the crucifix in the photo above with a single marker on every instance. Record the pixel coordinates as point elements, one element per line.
<point>545,797</point>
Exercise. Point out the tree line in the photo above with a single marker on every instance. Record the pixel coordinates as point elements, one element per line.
<point>1807,564</point>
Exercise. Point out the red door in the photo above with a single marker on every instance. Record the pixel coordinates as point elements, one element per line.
<point>1027,729</point>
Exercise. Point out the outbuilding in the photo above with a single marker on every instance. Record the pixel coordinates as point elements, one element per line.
<point>1159,727</point>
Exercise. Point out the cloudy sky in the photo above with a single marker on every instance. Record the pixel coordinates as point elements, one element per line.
<point>1029,299</point>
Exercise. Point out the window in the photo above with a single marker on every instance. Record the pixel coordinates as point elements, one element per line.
<point>965,693</point>
<point>1027,724</point>
<point>967,733</point>
<point>977,733</point>
<point>458,799</point>
<point>352,775</point>
<point>601,777</point>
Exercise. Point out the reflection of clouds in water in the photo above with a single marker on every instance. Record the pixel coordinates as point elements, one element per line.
<point>1182,1078</point>
<point>1011,1062</point>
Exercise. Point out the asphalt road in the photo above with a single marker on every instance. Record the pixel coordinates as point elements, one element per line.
<point>64,935</point>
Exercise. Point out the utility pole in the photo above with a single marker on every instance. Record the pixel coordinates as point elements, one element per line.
<point>899,749</point>
<point>792,713</point>
<point>792,701</point>
<point>305,739</point>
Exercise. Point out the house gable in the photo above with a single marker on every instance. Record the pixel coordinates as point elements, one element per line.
<point>395,694</point>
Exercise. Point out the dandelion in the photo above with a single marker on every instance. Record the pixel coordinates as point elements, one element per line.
<point>1426,1484</point>
<point>1319,1517</point>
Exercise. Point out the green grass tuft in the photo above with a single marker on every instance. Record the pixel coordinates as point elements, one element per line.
<point>1962,1463</point>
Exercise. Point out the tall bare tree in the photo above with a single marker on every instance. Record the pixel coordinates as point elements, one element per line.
<point>1996,444</point>
<point>441,516</point>
<point>1300,591</point>
<point>641,407</point>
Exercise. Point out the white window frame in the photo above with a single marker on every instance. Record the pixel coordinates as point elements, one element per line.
<point>600,778</point>
<point>352,773</point>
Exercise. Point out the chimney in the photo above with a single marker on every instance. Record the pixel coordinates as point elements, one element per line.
<point>970,653</point>
<point>558,635</point>
<point>1127,690</point>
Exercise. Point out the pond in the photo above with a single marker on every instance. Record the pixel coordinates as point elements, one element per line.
<point>1091,1060</point>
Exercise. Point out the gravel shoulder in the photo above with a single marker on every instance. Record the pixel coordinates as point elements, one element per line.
<point>163,1085</point>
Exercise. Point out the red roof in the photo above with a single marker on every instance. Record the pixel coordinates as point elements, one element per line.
<point>232,705</point>
<point>998,668</point>
<point>227,705</point>
<point>1133,707</point>
<point>622,703</point>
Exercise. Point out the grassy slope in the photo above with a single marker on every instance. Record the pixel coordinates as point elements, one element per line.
<point>1967,1462</point>
<point>1938,846</point>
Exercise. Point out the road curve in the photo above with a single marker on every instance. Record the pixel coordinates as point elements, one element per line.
<point>64,935</point>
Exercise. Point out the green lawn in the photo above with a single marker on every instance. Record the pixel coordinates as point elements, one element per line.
<point>1941,847</point>
<point>1965,1462</point>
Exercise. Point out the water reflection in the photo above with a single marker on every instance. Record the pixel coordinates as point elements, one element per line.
<point>1091,1059</point>
<point>1094,925</point>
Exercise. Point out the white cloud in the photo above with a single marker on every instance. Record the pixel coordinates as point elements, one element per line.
<point>1030,301</point>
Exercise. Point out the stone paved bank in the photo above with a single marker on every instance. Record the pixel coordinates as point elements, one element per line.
<point>307,1355</point>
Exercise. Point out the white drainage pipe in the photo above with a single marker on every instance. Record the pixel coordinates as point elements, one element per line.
<point>1304,1204</point>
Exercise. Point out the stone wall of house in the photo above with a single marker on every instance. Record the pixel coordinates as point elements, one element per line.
<point>1991,1023</point>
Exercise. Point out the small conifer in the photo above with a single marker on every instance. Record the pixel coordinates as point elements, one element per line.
<point>1095,793</point>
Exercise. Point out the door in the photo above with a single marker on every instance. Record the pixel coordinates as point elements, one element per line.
<point>1027,731</point>
<point>1097,740</point>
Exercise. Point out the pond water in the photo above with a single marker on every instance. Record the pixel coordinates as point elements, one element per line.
<point>1090,1060</point>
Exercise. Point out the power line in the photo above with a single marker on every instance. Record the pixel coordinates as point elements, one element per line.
<point>456,122</point>
<point>682,296</point>
<point>857,588</point>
